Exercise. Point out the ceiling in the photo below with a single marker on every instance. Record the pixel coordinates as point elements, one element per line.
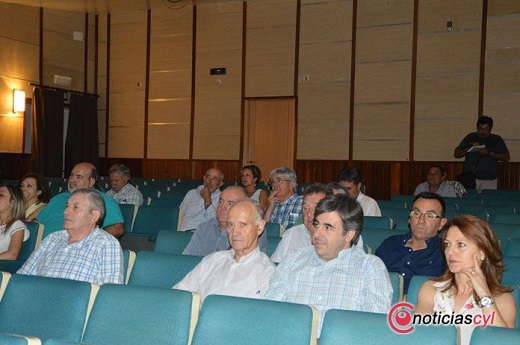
<point>109,6</point>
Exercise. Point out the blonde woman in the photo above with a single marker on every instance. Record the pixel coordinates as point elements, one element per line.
<point>13,231</point>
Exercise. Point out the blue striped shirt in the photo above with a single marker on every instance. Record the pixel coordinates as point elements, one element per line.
<point>97,258</point>
<point>287,212</point>
<point>353,281</point>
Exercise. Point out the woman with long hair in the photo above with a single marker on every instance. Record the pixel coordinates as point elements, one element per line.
<point>13,231</point>
<point>471,283</point>
<point>36,194</point>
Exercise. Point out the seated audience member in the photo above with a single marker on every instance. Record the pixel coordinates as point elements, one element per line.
<point>418,252</point>
<point>250,176</point>
<point>471,283</point>
<point>285,206</point>
<point>335,273</point>
<point>336,188</point>
<point>199,204</point>
<point>300,235</point>
<point>82,251</point>
<point>121,190</point>
<point>83,176</point>
<point>350,179</point>
<point>243,270</point>
<point>212,236</point>
<point>13,231</point>
<point>36,194</point>
<point>435,183</point>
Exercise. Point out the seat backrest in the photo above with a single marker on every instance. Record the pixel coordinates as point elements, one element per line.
<point>234,320</point>
<point>151,219</point>
<point>504,232</point>
<point>494,335</point>
<point>46,307</point>
<point>141,315</point>
<point>129,260</point>
<point>272,243</point>
<point>161,270</point>
<point>129,212</point>
<point>511,274</point>
<point>273,229</point>
<point>373,237</point>
<point>30,245</point>
<point>356,327</point>
<point>172,242</point>
<point>10,339</point>
<point>511,247</point>
<point>398,285</point>
<point>413,289</point>
<point>382,222</point>
<point>506,218</point>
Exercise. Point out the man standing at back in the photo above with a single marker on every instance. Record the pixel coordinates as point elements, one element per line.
<point>83,176</point>
<point>285,206</point>
<point>350,179</point>
<point>482,151</point>
<point>199,204</point>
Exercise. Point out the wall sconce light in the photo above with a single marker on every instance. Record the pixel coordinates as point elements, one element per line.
<point>18,101</point>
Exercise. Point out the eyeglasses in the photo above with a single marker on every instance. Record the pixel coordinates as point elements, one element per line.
<point>277,181</point>
<point>431,216</point>
<point>211,178</point>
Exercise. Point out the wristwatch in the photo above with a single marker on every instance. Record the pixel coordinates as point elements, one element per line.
<point>486,301</point>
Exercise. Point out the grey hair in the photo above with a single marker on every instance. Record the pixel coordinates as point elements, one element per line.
<point>259,214</point>
<point>121,168</point>
<point>96,203</point>
<point>288,172</point>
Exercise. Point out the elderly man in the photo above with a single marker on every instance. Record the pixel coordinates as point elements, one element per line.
<point>350,179</point>
<point>200,203</point>
<point>243,270</point>
<point>335,273</point>
<point>435,183</point>
<point>420,251</point>
<point>121,190</point>
<point>300,235</point>
<point>482,151</point>
<point>285,206</point>
<point>83,176</point>
<point>212,236</point>
<point>82,251</point>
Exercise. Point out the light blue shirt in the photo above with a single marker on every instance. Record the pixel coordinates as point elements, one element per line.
<point>353,281</point>
<point>97,258</point>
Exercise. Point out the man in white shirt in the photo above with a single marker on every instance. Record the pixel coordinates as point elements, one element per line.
<point>200,204</point>
<point>121,190</point>
<point>350,179</point>
<point>242,271</point>
<point>300,235</point>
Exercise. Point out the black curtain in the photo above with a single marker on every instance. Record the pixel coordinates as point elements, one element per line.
<point>47,133</point>
<point>82,143</point>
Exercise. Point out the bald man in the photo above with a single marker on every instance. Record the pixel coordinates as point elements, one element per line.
<point>200,204</point>
<point>83,176</point>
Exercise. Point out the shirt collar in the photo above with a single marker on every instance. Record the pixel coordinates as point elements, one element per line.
<point>245,258</point>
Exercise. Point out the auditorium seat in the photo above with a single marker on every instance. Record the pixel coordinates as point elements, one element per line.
<point>506,218</point>
<point>273,229</point>
<point>413,288</point>
<point>28,247</point>
<point>45,307</point>
<point>129,260</point>
<point>494,335</point>
<point>356,327</point>
<point>129,212</point>
<point>10,339</point>
<point>511,247</point>
<point>372,238</point>
<point>172,242</point>
<point>504,232</point>
<point>511,274</point>
<point>151,219</point>
<point>397,285</point>
<point>228,320</point>
<point>272,243</point>
<point>134,315</point>
<point>161,270</point>
<point>383,222</point>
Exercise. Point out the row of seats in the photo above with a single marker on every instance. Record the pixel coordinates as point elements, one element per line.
<point>36,310</point>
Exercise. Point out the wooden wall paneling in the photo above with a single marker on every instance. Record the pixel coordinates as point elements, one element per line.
<point>14,165</point>
<point>218,98</point>
<point>324,80</point>
<point>464,15</point>
<point>388,43</point>
<point>503,7</point>
<point>11,132</point>
<point>167,168</point>
<point>169,107</point>
<point>384,13</point>
<point>135,165</point>
<point>91,55</point>
<point>102,64</point>
<point>270,48</point>
<point>127,84</point>
<point>62,54</point>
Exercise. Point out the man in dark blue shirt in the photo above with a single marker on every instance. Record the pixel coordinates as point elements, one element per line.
<point>418,252</point>
<point>482,151</point>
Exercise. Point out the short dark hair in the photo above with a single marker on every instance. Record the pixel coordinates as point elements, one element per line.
<point>257,173</point>
<point>350,175</point>
<point>335,186</point>
<point>318,188</point>
<point>120,168</point>
<point>441,169</point>
<point>41,184</point>
<point>432,196</point>
<point>485,120</point>
<point>349,211</point>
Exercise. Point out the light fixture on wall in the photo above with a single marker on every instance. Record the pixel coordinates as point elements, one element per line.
<point>18,101</point>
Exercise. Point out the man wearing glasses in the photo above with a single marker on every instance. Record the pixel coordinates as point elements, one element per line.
<point>285,206</point>
<point>200,204</point>
<point>418,252</point>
